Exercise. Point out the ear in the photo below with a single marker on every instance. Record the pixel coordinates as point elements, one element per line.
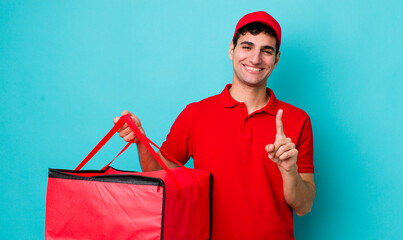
<point>277,58</point>
<point>231,50</point>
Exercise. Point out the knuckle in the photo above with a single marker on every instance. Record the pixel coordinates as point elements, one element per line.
<point>293,153</point>
<point>284,156</point>
<point>128,138</point>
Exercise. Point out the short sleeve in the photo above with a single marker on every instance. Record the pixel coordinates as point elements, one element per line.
<point>177,143</point>
<point>305,148</point>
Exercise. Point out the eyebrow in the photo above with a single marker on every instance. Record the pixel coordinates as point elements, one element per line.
<point>252,44</point>
<point>247,43</point>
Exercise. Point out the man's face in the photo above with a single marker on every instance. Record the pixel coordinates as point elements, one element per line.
<point>253,59</point>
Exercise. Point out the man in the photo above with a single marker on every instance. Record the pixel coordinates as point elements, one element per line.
<point>261,170</point>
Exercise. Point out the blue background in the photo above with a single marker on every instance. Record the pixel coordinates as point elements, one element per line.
<point>67,68</point>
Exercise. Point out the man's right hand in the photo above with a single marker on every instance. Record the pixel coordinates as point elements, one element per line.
<point>125,132</point>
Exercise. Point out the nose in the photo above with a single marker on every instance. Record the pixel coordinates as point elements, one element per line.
<point>256,58</point>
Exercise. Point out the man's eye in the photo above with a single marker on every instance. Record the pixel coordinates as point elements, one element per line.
<point>246,47</point>
<point>268,52</point>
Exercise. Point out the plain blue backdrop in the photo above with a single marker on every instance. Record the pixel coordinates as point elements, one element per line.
<point>67,68</point>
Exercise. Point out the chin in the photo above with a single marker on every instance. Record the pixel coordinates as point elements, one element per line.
<point>256,83</point>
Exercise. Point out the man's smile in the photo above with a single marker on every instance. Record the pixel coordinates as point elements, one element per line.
<point>252,69</point>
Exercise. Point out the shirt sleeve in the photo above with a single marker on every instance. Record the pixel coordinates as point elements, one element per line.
<point>305,148</point>
<point>178,141</point>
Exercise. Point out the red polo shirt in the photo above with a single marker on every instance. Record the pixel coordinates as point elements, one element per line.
<point>248,199</point>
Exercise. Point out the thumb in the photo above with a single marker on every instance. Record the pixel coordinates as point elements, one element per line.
<point>126,112</point>
<point>269,148</point>
<point>136,120</point>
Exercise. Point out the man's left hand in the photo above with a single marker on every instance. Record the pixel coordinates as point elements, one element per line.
<point>283,151</point>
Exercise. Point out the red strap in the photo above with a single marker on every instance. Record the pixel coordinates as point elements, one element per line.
<point>124,149</point>
<point>155,145</point>
<point>108,136</point>
<point>176,161</point>
<point>143,139</point>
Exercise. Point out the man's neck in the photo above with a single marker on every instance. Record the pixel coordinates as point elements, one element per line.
<point>254,98</point>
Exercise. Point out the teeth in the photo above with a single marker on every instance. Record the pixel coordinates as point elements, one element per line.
<point>253,69</point>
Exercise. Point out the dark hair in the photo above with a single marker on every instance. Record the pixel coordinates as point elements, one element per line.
<point>255,28</point>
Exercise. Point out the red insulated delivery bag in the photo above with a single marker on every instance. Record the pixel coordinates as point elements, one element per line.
<point>114,204</point>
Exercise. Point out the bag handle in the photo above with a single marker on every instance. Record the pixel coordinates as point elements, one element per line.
<point>146,141</point>
<point>104,140</point>
<point>143,139</point>
<point>155,145</point>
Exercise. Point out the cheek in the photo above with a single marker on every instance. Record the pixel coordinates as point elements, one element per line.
<point>240,55</point>
<point>270,61</point>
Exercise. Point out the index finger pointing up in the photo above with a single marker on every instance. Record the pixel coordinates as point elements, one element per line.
<point>279,123</point>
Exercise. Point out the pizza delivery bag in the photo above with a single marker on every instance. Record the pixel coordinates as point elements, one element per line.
<point>114,204</point>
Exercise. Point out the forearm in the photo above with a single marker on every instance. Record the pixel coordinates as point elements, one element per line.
<point>299,194</point>
<point>148,162</point>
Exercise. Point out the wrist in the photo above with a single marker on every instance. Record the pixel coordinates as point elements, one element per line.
<point>289,172</point>
<point>142,132</point>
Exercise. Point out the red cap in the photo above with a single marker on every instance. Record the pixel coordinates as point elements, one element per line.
<point>262,17</point>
